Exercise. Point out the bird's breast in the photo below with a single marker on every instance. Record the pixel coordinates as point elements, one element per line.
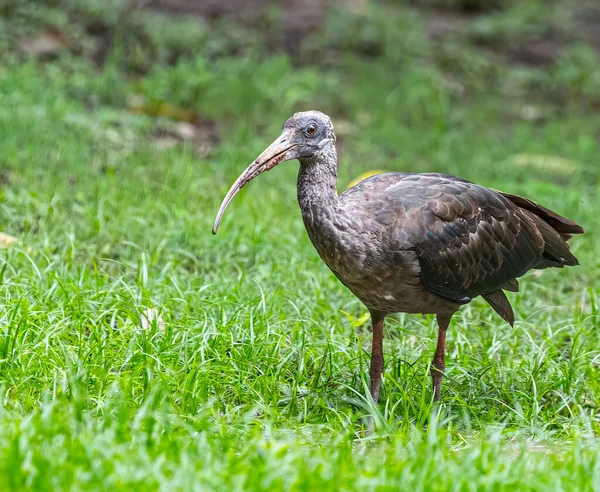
<point>383,278</point>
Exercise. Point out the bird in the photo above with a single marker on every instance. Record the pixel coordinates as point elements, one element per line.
<point>403,242</point>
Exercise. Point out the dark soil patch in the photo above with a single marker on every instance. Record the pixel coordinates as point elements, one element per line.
<point>298,17</point>
<point>535,53</point>
<point>442,23</point>
<point>590,26</point>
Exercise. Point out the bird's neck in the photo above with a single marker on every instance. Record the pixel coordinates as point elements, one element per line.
<point>317,193</point>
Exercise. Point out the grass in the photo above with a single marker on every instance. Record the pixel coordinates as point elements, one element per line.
<point>249,374</point>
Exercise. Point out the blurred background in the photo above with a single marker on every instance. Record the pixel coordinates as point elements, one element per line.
<point>389,69</point>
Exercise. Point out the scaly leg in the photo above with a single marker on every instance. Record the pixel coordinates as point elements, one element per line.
<point>377,362</point>
<point>438,366</point>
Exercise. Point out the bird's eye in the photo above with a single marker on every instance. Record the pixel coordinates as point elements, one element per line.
<point>311,130</point>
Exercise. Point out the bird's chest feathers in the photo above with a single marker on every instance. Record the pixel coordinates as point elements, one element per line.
<point>358,256</point>
<point>351,250</point>
<point>335,240</point>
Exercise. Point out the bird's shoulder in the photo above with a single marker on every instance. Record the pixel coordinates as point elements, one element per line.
<point>408,189</point>
<point>423,197</point>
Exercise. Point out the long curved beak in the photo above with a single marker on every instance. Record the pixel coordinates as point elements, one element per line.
<point>274,154</point>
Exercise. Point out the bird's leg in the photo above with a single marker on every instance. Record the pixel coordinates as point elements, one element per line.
<point>438,366</point>
<point>376,354</point>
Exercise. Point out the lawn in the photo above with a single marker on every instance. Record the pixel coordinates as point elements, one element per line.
<point>140,352</point>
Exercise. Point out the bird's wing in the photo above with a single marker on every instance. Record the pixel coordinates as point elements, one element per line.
<point>469,240</point>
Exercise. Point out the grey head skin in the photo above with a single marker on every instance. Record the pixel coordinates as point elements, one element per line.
<point>414,243</point>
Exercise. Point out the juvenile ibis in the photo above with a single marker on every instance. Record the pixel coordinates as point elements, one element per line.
<point>413,243</point>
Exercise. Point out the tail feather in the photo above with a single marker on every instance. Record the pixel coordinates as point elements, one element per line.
<point>556,249</point>
<point>561,224</point>
<point>500,304</point>
<point>554,229</point>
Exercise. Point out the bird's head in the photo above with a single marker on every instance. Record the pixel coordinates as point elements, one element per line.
<point>304,137</point>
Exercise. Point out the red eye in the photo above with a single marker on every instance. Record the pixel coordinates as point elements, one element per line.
<point>311,130</point>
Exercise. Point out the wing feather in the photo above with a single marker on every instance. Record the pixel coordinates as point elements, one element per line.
<point>477,243</point>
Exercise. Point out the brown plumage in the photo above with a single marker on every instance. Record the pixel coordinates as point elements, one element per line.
<point>413,243</point>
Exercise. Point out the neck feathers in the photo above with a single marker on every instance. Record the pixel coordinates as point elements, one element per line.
<point>317,179</point>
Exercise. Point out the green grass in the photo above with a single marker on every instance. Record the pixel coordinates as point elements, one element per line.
<point>254,378</point>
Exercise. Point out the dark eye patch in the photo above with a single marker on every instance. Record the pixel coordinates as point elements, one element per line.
<point>311,130</point>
